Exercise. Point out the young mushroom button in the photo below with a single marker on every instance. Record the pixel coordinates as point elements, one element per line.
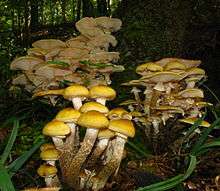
<point>102,93</point>
<point>48,172</point>
<point>93,121</point>
<point>57,130</point>
<point>76,93</point>
<point>50,156</point>
<point>123,128</point>
<point>70,116</point>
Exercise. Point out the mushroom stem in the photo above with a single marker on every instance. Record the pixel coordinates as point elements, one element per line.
<point>51,162</point>
<point>71,173</point>
<point>99,149</point>
<point>101,100</point>
<point>156,125</point>
<point>100,180</point>
<point>77,102</point>
<point>52,181</point>
<point>191,84</point>
<point>58,142</point>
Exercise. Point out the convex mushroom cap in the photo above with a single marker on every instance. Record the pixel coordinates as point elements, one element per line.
<point>68,115</point>
<point>56,128</point>
<point>47,170</point>
<point>95,106</point>
<point>48,44</point>
<point>49,154</point>
<point>122,126</point>
<point>191,93</point>
<point>93,119</point>
<point>105,134</point>
<point>102,93</point>
<point>119,113</point>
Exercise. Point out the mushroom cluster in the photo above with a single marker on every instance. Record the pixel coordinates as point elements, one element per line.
<point>89,162</point>
<point>167,89</point>
<point>84,59</point>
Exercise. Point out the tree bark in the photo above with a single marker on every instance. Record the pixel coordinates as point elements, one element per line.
<point>88,8</point>
<point>78,9</point>
<point>34,15</point>
<point>102,8</point>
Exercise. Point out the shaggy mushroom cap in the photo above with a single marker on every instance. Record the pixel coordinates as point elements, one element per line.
<point>68,115</point>
<point>191,93</point>
<point>144,69</point>
<point>122,127</point>
<point>193,120</point>
<point>93,119</point>
<point>89,106</point>
<point>49,44</point>
<point>193,72</point>
<point>47,146</point>
<point>119,113</point>
<point>56,128</point>
<point>102,92</point>
<point>47,170</point>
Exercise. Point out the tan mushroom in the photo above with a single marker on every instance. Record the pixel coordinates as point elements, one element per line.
<point>49,44</point>
<point>25,63</point>
<point>148,68</point>
<point>50,156</point>
<point>108,24</point>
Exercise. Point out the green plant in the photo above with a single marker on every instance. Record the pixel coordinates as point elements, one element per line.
<point>200,147</point>
<point>8,170</point>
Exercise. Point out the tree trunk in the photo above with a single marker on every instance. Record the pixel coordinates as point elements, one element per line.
<point>88,8</point>
<point>34,15</point>
<point>78,9</point>
<point>26,31</point>
<point>102,8</point>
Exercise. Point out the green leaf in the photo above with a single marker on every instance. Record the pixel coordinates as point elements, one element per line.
<point>139,150</point>
<point>172,182</point>
<point>5,180</point>
<point>10,143</point>
<point>204,137</point>
<point>59,63</point>
<point>18,163</point>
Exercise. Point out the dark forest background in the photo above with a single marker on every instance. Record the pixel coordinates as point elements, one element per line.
<point>151,30</point>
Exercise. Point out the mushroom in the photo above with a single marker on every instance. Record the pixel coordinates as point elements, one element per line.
<point>50,156</point>
<point>175,66</point>
<point>148,68</point>
<point>70,116</point>
<point>104,136</point>
<point>136,92</point>
<point>57,130</point>
<point>191,93</point>
<point>46,146</point>
<point>26,63</point>
<point>48,44</point>
<point>108,24</point>
<point>102,93</point>
<point>76,93</point>
<point>119,113</point>
<point>93,121</point>
<point>48,92</point>
<point>186,62</point>
<point>95,106</point>
<point>49,173</point>
<point>123,128</point>
<point>193,120</point>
